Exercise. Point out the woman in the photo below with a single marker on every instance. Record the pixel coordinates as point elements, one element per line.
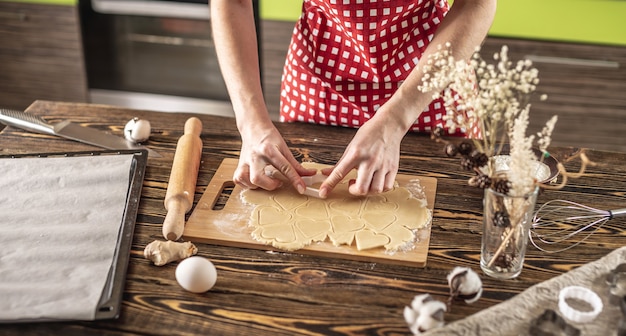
<point>353,63</point>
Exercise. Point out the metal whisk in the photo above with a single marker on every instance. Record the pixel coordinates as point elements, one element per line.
<point>558,221</point>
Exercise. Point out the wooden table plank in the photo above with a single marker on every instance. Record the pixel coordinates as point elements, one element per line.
<point>291,293</point>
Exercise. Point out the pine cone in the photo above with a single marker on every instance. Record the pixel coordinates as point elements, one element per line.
<point>473,181</point>
<point>451,150</point>
<point>501,185</point>
<point>504,260</point>
<point>467,163</point>
<point>437,132</point>
<point>481,181</point>
<point>484,181</point>
<point>480,159</point>
<point>465,147</point>
<point>501,219</point>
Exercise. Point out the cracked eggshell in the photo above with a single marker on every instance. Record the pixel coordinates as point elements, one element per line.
<point>196,274</point>
<point>137,130</point>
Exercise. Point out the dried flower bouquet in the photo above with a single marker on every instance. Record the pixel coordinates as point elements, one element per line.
<point>493,100</point>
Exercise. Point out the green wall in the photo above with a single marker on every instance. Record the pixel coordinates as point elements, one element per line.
<point>587,21</point>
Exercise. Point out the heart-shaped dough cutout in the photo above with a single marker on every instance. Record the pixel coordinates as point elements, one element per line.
<point>344,224</point>
<point>349,206</point>
<point>269,215</point>
<point>379,221</point>
<point>399,236</point>
<point>397,195</point>
<point>379,203</point>
<point>281,233</point>
<point>314,230</point>
<point>366,239</point>
<point>254,196</point>
<point>289,201</point>
<point>314,209</point>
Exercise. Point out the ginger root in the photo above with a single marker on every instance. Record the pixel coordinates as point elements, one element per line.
<point>163,252</point>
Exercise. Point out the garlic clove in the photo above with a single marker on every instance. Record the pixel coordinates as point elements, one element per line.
<point>137,130</point>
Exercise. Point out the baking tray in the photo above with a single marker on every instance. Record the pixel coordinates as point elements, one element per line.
<point>111,299</point>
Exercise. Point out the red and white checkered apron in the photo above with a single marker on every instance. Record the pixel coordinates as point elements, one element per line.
<point>347,57</point>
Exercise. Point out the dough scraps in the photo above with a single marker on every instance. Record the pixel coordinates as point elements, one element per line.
<point>290,221</point>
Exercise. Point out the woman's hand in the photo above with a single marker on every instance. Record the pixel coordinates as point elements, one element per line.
<point>263,148</point>
<point>374,152</point>
<point>266,162</point>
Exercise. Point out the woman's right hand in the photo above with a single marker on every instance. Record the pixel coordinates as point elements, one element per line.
<point>263,148</point>
<point>266,162</point>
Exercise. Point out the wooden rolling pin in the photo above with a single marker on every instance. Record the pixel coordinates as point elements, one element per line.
<point>182,184</point>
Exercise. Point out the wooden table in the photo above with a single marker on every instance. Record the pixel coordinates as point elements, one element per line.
<point>261,293</point>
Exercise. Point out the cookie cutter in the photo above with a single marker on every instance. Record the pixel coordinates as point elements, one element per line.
<point>312,180</point>
<point>550,324</point>
<point>583,294</point>
<point>616,280</point>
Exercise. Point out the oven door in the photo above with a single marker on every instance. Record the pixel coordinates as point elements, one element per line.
<point>153,54</point>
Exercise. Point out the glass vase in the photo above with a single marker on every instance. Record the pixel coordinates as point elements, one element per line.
<point>506,226</point>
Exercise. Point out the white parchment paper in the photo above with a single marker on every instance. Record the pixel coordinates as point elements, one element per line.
<point>59,222</point>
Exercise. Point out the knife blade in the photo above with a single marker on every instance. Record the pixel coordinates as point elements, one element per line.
<point>68,130</point>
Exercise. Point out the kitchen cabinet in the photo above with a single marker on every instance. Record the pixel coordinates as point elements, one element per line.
<point>41,53</point>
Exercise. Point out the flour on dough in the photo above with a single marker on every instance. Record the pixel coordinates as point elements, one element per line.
<point>290,221</point>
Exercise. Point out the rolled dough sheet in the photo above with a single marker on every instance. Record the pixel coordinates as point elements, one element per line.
<point>290,221</point>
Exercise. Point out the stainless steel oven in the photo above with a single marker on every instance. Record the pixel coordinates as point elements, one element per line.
<point>153,54</point>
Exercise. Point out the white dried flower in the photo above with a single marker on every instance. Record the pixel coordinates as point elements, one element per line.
<point>494,96</point>
<point>521,168</point>
<point>545,136</point>
<point>425,313</point>
<point>465,284</point>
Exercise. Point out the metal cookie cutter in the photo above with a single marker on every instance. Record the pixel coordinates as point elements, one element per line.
<point>551,324</point>
<point>617,281</point>
<point>313,180</point>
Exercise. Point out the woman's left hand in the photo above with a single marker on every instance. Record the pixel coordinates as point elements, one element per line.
<point>374,152</point>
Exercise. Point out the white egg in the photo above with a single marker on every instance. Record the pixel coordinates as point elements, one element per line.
<point>137,130</point>
<point>196,274</point>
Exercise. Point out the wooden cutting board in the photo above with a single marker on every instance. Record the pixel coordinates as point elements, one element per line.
<point>228,226</point>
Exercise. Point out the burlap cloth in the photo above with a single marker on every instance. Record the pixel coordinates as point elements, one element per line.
<point>514,316</point>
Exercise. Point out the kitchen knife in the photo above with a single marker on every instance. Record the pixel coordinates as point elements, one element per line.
<point>68,130</point>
